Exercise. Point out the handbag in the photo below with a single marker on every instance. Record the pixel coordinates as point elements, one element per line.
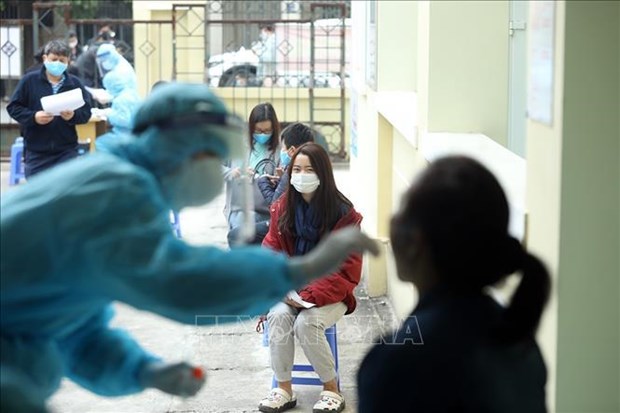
<point>266,166</point>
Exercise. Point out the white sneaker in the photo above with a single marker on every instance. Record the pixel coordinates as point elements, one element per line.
<point>329,402</point>
<point>278,401</point>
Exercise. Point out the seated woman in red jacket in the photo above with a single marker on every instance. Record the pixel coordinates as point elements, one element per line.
<point>311,207</point>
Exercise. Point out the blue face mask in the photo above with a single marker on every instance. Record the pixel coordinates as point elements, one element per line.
<point>262,138</point>
<point>195,183</point>
<point>285,159</point>
<point>56,68</point>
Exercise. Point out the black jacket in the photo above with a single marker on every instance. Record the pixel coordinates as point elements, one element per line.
<point>58,135</point>
<point>445,359</point>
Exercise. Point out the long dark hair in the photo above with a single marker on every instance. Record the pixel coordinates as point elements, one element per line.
<point>328,201</point>
<point>462,213</point>
<point>260,113</point>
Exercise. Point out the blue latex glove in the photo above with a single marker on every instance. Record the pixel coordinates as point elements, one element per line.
<point>180,379</point>
<point>330,253</point>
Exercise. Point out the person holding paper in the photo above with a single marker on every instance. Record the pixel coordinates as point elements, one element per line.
<point>311,208</point>
<point>49,138</point>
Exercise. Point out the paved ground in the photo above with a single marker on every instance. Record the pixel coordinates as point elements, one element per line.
<point>237,364</point>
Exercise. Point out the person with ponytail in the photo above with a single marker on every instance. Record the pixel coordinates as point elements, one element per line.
<point>460,350</point>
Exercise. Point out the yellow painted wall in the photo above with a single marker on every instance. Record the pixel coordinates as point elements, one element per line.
<point>573,203</point>
<point>543,203</point>
<point>397,46</point>
<point>589,280</point>
<point>573,172</point>
<point>468,67</point>
<point>407,163</point>
<point>291,104</point>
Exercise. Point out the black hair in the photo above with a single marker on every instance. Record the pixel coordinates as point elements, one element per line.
<point>57,47</point>
<point>462,214</point>
<point>38,56</point>
<point>103,37</point>
<point>260,113</point>
<point>330,204</point>
<point>296,134</point>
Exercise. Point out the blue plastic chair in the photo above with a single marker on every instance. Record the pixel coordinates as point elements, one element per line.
<point>16,171</point>
<point>332,340</point>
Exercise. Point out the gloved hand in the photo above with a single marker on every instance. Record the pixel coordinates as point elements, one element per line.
<point>330,253</point>
<point>180,379</point>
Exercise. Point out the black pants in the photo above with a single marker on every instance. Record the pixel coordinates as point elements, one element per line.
<point>35,162</point>
<point>260,231</point>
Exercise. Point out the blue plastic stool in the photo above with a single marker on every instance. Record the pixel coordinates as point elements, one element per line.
<point>175,223</point>
<point>332,340</point>
<point>16,171</point>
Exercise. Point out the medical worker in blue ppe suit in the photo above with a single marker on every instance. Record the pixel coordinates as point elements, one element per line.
<point>96,230</point>
<point>109,59</point>
<point>120,115</point>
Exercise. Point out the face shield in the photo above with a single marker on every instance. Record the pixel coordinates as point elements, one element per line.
<point>181,121</point>
<point>192,151</point>
<point>243,187</point>
<point>107,58</point>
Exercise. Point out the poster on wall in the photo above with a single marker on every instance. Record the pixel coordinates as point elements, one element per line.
<point>10,53</point>
<point>540,57</point>
<point>353,101</point>
<point>371,45</point>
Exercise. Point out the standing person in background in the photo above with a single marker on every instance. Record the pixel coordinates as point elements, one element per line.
<point>266,50</point>
<point>74,45</point>
<point>76,52</point>
<point>86,64</point>
<point>264,133</point>
<point>48,139</point>
<point>107,31</point>
<point>109,59</point>
<point>120,114</point>
<point>104,30</point>
<point>311,208</point>
<point>459,351</point>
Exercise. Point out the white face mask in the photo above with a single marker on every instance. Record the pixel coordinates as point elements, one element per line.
<point>195,183</point>
<point>305,183</point>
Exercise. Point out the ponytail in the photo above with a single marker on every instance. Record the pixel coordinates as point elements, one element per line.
<point>522,317</point>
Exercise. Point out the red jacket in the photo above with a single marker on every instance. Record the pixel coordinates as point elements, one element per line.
<point>332,288</point>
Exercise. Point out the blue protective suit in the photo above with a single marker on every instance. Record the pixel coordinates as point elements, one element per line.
<point>109,60</point>
<point>125,101</point>
<point>124,105</point>
<point>95,230</point>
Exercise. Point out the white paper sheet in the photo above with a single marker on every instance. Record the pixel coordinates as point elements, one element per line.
<point>70,100</point>
<point>295,297</point>
<point>100,95</point>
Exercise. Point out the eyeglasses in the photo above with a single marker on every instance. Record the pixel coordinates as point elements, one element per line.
<point>259,130</point>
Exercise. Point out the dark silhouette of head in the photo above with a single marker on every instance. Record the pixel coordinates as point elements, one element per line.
<point>456,217</point>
